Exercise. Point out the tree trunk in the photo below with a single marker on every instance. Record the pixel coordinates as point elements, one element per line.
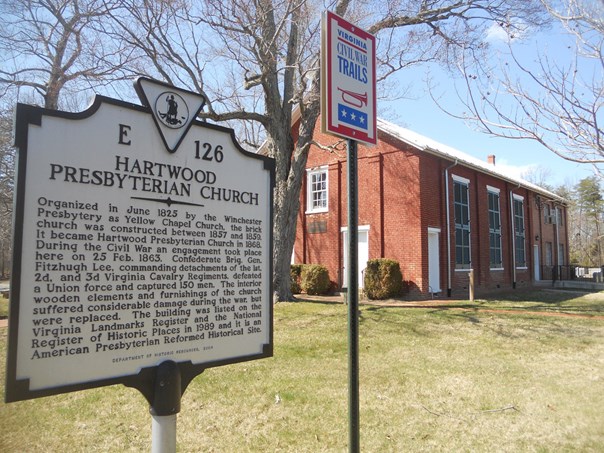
<point>286,203</point>
<point>286,207</point>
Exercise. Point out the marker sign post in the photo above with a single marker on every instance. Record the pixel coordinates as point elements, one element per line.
<point>142,248</point>
<point>348,109</point>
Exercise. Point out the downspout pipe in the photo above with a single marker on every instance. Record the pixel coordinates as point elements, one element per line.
<point>558,263</point>
<point>448,213</point>
<point>513,231</point>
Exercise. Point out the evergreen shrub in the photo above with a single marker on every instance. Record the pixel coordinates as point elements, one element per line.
<point>295,276</point>
<point>383,279</point>
<point>314,279</point>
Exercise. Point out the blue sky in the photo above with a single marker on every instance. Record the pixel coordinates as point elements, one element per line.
<point>423,116</point>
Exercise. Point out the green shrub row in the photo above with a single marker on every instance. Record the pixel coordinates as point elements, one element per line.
<point>311,279</point>
<point>295,273</point>
<point>383,279</point>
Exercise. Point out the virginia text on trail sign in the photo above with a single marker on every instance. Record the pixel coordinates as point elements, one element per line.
<point>142,235</point>
<point>348,81</point>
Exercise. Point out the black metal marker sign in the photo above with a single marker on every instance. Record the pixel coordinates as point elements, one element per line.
<point>141,236</point>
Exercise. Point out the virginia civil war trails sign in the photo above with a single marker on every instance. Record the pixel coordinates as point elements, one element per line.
<point>348,80</point>
<point>141,235</point>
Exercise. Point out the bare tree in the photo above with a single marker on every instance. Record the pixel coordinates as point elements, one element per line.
<point>7,167</point>
<point>48,46</point>
<point>540,176</point>
<point>556,100</point>
<point>590,208</point>
<point>258,61</point>
<point>50,51</point>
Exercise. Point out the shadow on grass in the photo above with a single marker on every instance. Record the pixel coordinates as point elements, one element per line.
<point>529,308</point>
<point>549,300</point>
<point>507,326</point>
<point>544,294</point>
<point>542,300</point>
<point>510,327</point>
<point>316,300</point>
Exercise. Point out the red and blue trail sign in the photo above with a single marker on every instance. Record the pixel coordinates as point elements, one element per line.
<point>348,80</point>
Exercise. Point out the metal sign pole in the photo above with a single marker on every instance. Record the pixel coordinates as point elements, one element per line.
<point>353,300</point>
<point>163,434</point>
<point>166,404</point>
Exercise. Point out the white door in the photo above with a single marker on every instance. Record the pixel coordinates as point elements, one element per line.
<point>433,260</point>
<point>363,253</point>
<point>536,261</point>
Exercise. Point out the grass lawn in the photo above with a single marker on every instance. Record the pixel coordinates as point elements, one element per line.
<point>432,379</point>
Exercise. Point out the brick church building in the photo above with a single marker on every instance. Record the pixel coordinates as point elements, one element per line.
<point>437,211</point>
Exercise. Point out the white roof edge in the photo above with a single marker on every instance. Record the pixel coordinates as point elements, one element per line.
<point>438,149</point>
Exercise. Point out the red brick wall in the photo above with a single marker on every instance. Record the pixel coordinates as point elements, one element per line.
<point>401,195</point>
<point>549,232</point>
<point>400,230</point>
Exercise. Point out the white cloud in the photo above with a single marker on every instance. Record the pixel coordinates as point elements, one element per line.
<point>515,171</point>
<point>496,33</point>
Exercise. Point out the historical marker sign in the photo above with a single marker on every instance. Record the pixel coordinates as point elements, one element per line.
<point>141,235</point>
<point>348,81</point>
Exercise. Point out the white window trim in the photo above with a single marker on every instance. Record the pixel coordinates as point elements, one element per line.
<point>495,190</point>
<point>461,179</point>
<point>561,256</point>
<point>359,228</point>
<point>309,173</point>
<point>558,215</point>
<point>520,198</point>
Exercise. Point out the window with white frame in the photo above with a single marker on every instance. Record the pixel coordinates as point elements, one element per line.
<point>317,190</point>
<point>519,232</point>
<point>495,259</point>
<point>547,214</point>
<point>559,217</point>
<point>549,254</point>
<point>462,222</point>
<point>560,254</point>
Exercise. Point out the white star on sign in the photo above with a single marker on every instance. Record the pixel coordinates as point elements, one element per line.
<point>353,116</point>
